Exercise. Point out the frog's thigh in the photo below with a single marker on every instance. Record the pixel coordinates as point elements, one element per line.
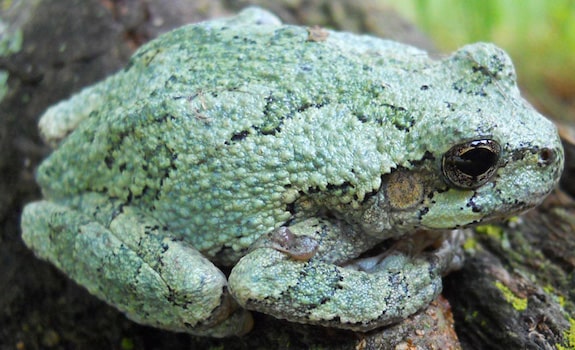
<point>154,279</point>
<point>316,292</point>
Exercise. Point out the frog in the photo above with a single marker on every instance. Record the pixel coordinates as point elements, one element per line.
<point>243,165</point>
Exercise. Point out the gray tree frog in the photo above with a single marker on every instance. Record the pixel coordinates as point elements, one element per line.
<point>241,164</point>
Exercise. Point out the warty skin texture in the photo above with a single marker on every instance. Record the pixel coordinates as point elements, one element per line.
<point>216,135</point>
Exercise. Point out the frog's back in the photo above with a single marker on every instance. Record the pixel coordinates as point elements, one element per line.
<point>216,130</point>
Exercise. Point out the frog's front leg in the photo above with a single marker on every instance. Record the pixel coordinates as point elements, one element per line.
<point>319,291</point>
<point>130,261</point>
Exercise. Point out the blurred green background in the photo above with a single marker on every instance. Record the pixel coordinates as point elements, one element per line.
<point>538,34</point>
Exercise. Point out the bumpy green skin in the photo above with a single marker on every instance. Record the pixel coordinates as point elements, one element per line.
<point>218,133</point>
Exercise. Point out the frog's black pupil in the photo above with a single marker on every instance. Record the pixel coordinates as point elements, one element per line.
<point>476,161</point>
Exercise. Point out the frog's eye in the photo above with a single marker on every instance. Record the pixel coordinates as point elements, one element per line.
<point>470,164</point>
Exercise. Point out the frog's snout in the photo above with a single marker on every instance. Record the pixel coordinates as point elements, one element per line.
<point>549,156</point>
<point>549,159</point>
<point>552,158</point>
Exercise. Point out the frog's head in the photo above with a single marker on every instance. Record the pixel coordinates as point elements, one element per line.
<point>488,154</point>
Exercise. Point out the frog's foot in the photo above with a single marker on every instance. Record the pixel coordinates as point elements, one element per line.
<point>320,292</point>
<point>131,262</point>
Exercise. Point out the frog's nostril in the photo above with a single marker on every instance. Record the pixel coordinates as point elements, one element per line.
<point>546,156</point>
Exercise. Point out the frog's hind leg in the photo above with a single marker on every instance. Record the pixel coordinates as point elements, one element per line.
<point>131,262</point>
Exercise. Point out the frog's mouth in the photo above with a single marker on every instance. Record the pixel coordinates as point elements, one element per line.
<point>467,208</point>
